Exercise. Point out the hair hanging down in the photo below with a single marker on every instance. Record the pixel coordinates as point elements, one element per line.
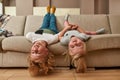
<point>79,62</point>
<point>38,68</point>
<point>78,55</point>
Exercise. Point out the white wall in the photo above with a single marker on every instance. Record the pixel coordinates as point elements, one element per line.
<point>10,11</point>
<point>59,11</point>
<point>1,8</point>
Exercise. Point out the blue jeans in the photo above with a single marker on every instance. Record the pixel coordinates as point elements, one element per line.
<point>49,22</point>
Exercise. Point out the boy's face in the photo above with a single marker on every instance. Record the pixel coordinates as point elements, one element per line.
<point>76,46</point>
<point>39,51</point>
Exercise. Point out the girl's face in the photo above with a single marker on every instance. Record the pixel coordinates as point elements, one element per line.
<point>39,51</point>
<point>76,46</point>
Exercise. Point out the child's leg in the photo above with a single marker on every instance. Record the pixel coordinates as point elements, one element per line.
<point>66,17</point>
<point>46,21</point>
<point>90,32</point>
<point>66,23</point>
<point>76,27</point>
<point>100,31</point>
<point>53,25</point>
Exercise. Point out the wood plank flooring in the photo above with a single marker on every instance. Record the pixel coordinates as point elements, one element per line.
<point>61,74</point>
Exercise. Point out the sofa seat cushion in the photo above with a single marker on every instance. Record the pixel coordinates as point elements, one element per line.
<point>1,59</point>
<point>106,41</point>
<point>16,43</point>
<point>57,49</point>
<point>1,38</point>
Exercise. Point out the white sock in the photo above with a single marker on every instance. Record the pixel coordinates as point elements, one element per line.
<point>66,17</point>
<point>101,31</point>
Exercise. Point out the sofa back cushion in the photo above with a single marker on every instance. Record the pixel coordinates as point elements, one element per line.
<point>91,22</point>
<point>16,25</point>
<point>87,22</point>
<point>60,22</point>
<point>33,23</point>
<point>114,23</point>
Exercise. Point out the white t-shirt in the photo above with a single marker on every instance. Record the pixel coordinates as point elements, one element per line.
<point>49,38</point>
<point>67,36</point>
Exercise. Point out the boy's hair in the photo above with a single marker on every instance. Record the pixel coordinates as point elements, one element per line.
<point>36,68</point>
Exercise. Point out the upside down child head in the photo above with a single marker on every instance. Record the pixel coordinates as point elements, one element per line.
<point>76,46</point>
<point>40,59</point>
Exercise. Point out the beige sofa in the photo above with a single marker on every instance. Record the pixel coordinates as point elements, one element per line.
<point>103,50</point>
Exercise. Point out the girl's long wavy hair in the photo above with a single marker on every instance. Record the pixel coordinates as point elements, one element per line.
<point>77,60</point>
<point>41,67</point>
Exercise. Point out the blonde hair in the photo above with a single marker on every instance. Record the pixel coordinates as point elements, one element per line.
<point>68,56</point>
<point>41,68</point>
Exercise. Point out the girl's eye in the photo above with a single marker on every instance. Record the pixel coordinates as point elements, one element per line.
<point>37,53</point>
<point>34,45</point>
<point>33,52</point>
<point>78,45</point>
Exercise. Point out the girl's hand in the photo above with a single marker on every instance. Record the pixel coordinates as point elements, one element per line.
<point>74,27</point>
<point>69,27</point>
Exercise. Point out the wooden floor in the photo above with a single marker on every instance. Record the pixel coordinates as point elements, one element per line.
<point>61,74</point>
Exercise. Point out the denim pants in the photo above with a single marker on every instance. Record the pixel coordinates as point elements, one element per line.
<point>49,22</point>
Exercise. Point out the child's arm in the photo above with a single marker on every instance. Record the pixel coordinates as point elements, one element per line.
<point>61,33</point>
<point>80,29</point>
<point>86,32</point>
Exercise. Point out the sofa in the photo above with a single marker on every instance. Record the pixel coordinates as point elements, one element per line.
<point>102,50</point>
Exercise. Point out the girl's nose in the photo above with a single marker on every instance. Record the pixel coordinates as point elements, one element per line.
<point>75,43</point>
<point>35,49</point>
